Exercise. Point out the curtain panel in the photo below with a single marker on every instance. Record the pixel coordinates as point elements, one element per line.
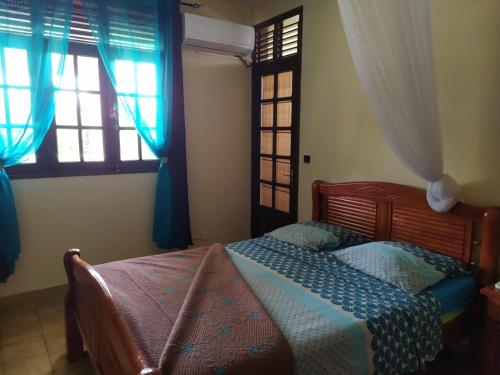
<point>391,46</point>
<point>139,43</point>
<point>33,45</point>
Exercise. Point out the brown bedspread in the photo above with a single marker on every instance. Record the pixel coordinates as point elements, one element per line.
<point>193,313</point>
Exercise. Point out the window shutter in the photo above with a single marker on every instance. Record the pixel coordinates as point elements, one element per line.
<point>278,39</point>
<point>16,18</point>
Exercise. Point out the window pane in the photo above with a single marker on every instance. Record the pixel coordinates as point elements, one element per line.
<point>90,109</point>
<point>29,159</point>
<point>283,144</point>
<point>2,107</point>
<point>267,87</point>
<point>266,142</point>
<point>283,171</point>
<point>282,199</point>
<point>124,117</point>
<point>68,148</point>
<point>88,73</point>
<point>16,64</point>
<point>129,146</point>
<point>285,80</point>
<point>284,114</point>
<point>267,114</point>
<point>266,195</point>
<point>66,108</point>
<point>66,80</point>
<point>266,169</point>
<point>147,154</point>
<point>146,82</point>
<point>147,106</point>
<point>125,76</point>
<point>3,137</point>
<point>20,106</point>
<point>21,135</point>
<point>93,148</point>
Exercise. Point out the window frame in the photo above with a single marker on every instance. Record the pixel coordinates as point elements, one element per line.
<point>47,164</point>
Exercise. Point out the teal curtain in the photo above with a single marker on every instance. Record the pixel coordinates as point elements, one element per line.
<point>135,39</point>
<point>33,38</point>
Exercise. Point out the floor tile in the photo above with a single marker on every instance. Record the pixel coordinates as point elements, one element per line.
<point>23,349</point>
<point>58,358</point>
<point>53,326</point>
<point>55,340</point>
<point>50,311</point>
<point>35,365</point>
<point>20,332</point>
<point>83,367</point>
<point>19,318</point>
<point>16,301</point>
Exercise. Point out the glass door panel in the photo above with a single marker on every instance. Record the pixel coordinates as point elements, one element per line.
<point>285,81</point>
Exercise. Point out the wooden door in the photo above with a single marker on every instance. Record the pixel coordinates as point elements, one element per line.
<point>275,127</point>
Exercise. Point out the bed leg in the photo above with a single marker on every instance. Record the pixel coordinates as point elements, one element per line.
<point>74,341</point>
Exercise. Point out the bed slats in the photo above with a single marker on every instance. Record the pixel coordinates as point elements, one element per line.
<point>357,214</point>
<point>447,236</point>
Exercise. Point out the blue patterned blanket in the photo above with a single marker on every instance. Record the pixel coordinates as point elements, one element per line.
<point>337,319</point>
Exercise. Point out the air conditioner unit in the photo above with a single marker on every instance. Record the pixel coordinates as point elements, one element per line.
<point>209,34</point>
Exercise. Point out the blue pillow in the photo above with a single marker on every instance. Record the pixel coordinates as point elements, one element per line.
<point>345,236</point>
<point>406,266</point>
<point>309,237</point>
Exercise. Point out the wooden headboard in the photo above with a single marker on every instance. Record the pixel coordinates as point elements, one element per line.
<point>393,212</point>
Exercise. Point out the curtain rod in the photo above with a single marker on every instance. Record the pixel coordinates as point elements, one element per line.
<point>192,5</point>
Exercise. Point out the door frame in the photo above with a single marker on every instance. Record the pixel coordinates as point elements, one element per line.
<point>259,69</point>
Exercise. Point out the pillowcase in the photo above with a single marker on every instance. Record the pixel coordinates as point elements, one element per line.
<point>406,266</point>
<point>310,237</point>
<point>345,236</point>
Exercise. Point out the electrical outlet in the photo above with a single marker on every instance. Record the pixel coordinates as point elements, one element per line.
<point>204,236</point>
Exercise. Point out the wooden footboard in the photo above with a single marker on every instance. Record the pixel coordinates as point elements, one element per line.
<point>92,316</point>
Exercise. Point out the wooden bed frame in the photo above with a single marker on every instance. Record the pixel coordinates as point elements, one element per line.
<point>379,211</point>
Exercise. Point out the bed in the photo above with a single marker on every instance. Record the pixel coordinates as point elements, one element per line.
<point>376,211</point>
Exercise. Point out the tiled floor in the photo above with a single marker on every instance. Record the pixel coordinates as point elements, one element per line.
<point>33,340</point>
<point>32,336</point>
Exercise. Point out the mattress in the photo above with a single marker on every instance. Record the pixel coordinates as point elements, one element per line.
<point>336,319</point>
<point>455,296</point>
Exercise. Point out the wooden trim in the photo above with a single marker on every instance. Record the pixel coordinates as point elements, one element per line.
<point>92,316</point>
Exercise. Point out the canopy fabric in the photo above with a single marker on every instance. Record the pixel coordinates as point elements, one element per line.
<point>391,46</point>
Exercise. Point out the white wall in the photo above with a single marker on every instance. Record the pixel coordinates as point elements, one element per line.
<point>110,217</point>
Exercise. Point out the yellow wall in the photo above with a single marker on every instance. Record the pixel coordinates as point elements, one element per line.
<point>109,217</point>
<point>338,130</point>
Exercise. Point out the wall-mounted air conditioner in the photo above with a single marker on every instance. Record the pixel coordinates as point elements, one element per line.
<point>209,34</point>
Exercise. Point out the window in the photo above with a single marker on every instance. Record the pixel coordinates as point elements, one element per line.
<point>15,96</point>
<point>93,131</point>
<point>135,96</point>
